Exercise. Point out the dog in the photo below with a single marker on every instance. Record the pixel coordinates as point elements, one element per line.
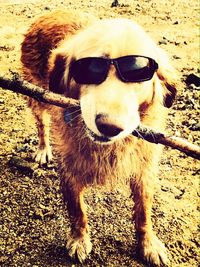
<point>122,79</point>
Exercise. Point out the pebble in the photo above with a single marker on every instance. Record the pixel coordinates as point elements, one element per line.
<point>7,48</point>
<point>47,8</point>
<point>23,165</point>
<point>176,57</point>
<point>39,173</point>
<point>115,3</point>
<point>180,195</point>
<point>2,101</point>
<point>193,79</point>
<point>38,214</point>
<point>165,188</point>
<point>195,127</point>
<point>23,148</point>
<point>181,106</point>
<point>163,42</point>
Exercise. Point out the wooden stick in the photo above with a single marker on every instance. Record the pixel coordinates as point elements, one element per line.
<point>171,141</point>
<point>17,85</point>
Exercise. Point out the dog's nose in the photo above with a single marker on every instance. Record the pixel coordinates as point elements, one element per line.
<point>106,127</point>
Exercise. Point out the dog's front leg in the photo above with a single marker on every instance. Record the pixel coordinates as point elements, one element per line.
<point>78,245</point>
<point>150,248</point>
<point>40,112</point>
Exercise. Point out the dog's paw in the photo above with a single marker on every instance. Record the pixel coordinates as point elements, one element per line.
<point>79,247</point>
<point>153,251</point>
<point>43,156</point>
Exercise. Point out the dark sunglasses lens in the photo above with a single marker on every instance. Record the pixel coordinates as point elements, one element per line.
<point>136,68</point>
<point>89,70</point>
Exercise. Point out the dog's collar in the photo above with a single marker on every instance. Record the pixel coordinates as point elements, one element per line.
<point>70,114</point>
<point>68,117</point>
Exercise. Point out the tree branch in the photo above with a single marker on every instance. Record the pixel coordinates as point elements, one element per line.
<point>171,141</point>
<point>17,85</point>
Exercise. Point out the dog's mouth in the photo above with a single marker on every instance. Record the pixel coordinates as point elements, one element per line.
<point>69,116</point>
<point>96,138</point>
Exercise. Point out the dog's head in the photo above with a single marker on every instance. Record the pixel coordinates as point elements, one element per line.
<point>115,70</point>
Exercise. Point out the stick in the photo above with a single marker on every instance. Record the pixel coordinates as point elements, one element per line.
<point>17,85</point>
<point>171,141</point>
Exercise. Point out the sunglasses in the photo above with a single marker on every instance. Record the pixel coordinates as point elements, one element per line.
<point>94,70</point>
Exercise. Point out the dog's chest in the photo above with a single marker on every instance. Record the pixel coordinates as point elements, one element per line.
<point>100,164</point>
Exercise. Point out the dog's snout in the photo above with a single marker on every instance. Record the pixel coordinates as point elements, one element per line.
<point>106,126</point>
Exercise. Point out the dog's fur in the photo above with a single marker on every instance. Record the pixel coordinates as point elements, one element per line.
<point>49,47</point>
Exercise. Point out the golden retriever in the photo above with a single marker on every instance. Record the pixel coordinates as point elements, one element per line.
<point>122,79</point>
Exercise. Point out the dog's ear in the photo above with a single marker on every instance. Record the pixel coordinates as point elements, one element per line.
<point>57,83</point>
<point>168,77</point>
<point>170,84</point>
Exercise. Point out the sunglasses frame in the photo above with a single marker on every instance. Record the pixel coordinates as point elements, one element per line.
<point>153,66</point>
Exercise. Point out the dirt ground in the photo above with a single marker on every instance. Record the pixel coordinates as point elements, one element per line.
<point>33,224</point>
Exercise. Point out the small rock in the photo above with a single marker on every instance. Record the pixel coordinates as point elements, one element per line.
<point>176,57</point>
<point>23,165</point>
<point>181,106</point>
<point>23,148</point>
<point>193,79</point>
<point>115,3</point>
<point>195,127</point>
<point>165,189</point>
<point>163,42</point>
<point>39,173</point>
<point>2,101</point>
<point>179,196</point>
<point>185,123</point>
<point>7,48</point>
<point>30,141</point>
<point>38,214</point>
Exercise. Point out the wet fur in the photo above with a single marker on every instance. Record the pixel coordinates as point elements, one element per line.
<point>48,48</point>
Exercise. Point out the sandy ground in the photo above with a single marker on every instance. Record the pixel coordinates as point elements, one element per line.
<point>33,224</point>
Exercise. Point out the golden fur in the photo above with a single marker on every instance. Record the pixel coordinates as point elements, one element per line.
<point>49,47</point>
